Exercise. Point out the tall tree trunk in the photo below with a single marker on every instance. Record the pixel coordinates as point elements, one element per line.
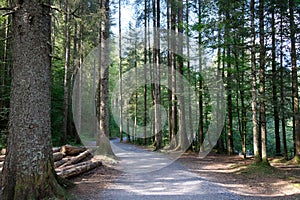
<point>201,122</point>
<point>156,75</point>
<point>120,74</point>
<point>181,100</point>
<point>282,89</point>
<point>145,72</point>
<point>174,140</point>
<point>67,78</point>
<point>103,142</point>
<point>239,94</point>
<point>229,79</point>
<point>135,126</point>
<point>71,122</point>
<point>221,146</point>
<point>28,171</point>
<point>295,95</point>
<point>78,84</point>
<point>244,108</point>
<point>256,146</point>
<point>274,83</point>
<point>169,72</point>
<point>6,48</point>
<point>262,109</point>
<point>190,118</point>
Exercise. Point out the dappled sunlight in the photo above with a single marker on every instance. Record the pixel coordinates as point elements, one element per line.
<point>135,160</point>
<point>152,174</point>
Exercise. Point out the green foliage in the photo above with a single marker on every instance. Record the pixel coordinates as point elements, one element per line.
<point>57,100</point>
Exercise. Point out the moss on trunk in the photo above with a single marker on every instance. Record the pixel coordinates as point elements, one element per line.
<point>34,185</point>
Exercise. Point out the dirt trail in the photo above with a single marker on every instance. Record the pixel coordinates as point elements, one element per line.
<point>143,174</point>
<point>151,175</point>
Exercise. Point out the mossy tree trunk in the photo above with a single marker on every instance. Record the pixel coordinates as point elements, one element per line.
<point>28,171</point>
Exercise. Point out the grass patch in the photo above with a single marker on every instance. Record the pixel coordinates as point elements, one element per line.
<point>295,161</point>
<point>260,169</point>
<point>279,160</point>
<point>297,185</point>
<point>237,166</point>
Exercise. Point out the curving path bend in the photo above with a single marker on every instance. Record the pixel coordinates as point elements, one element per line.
<point>152,176</point>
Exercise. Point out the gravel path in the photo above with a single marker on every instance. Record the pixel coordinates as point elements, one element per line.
<point>153,176</point>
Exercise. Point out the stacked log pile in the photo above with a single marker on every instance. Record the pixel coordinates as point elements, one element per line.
<point>70,161</point>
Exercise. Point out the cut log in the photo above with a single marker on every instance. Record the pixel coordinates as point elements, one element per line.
<point>77,159</point>
<point>60,162</point>
<point>60,169</point>
<point>68,150</point>
<point>2,158</point>
<point>56,149</point>
<point>3,151</point>
<point>79,169</point>
<point>57,156</point>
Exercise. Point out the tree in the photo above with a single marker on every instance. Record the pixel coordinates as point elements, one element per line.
<point>282,97</point>
<point>262,108</point>
<point>229,79</point>
<point>183,142</point>
<point>256,146</point>
<point>156,61</point>
<point>201,131</point>
<point>67,77</point>
<point>120,74</point>
<point>28,171</point>
<point>102,140</point>
<point>295,95</point>
<point>174,116</point>
<point>274,81</point>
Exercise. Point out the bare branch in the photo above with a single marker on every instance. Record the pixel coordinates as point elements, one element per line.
<point>8,13</point>
<point>6,9</point>
<point>61,10</point>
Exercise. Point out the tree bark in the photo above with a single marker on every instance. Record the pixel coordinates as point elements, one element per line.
<point>28,171</point>
<point>201,123</point>
<point>282,89</point>
<point>120,75</point>
<point>256,145</point>
<point>102,140</point>
<point>274,83</point>
<point>156,75</point>
<point>295,95</point>
<point>174,140</point>
<point>181,100</point>
<point>262,109</point>
<point>67,78</point>
<point>229,80</point>
<point>145,73</point>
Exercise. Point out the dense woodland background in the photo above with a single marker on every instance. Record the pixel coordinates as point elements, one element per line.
<point>256,51</point>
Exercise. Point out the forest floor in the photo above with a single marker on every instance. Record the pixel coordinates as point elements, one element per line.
<point>237,175</point>
<point>243,177</point>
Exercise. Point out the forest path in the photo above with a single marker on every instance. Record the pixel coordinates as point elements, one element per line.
<point>145,177</point>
